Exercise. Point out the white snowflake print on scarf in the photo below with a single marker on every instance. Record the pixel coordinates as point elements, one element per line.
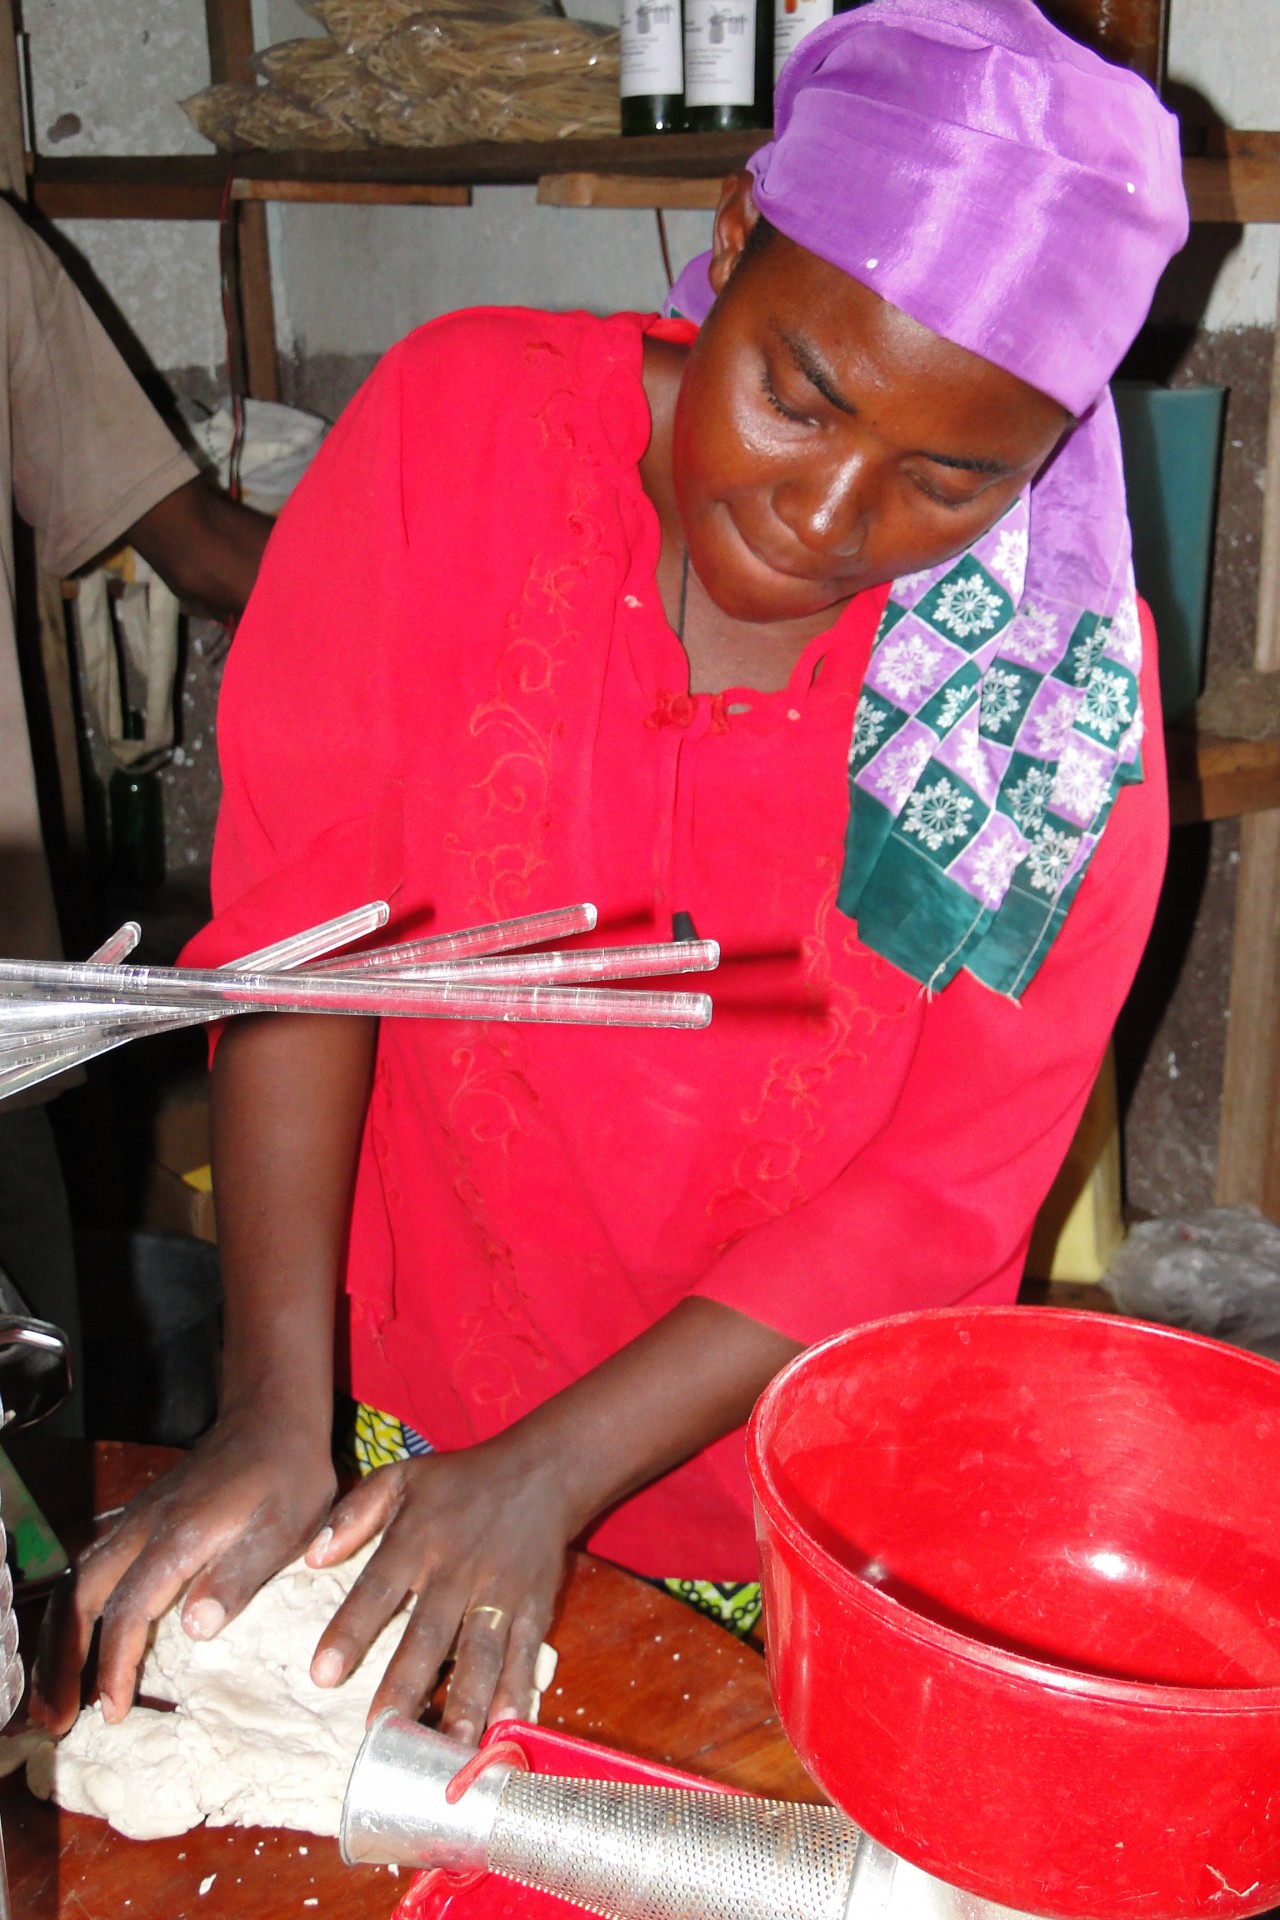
<point>1028,800</point>
<point>902,767</point>
<point>1048,859</point>
<point>907,665</point>
<point>868,724</point>
<point>908,583</point>
<point>1086,655</point>
<point>1036,632</point>
<point>955,702</point>
<point>970,758</point>
<point>1050,729</point>
<point>1082,784</point>
<point>967,606</point>
<point>1126,633</point>
<point>994,865</point>
<point>1131,740</point>
<point>1106,705</point>
<point>1001,692</point>
<point>939,814</point>
<point>1010,558</point>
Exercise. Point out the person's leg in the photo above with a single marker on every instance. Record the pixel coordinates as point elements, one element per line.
<point>36,1247</point>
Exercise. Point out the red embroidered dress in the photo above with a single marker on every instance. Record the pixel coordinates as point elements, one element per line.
<point>455,689</point>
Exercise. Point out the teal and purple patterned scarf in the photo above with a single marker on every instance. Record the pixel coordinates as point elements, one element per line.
<point>1000,716</point>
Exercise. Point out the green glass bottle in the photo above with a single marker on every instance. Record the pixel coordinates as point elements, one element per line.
<point>728,65</point>
<point>793,20</point>
<point>136,805</point>
<point>652,82</point>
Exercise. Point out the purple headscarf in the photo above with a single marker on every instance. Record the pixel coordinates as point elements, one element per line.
<point>1020,197</point>
<point>973,166</point>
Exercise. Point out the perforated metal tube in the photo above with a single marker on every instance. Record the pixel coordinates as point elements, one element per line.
<point>656,1853</point>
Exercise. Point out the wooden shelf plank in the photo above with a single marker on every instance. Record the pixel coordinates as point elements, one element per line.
<point>1212,778</point>
<point>625,190</point>
<point>1235,190</point>
<point>1242,185</point>
<point>186,186</point>
<point>357,193</point>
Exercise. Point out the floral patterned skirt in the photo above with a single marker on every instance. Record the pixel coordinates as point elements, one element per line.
<point>379,1439</point>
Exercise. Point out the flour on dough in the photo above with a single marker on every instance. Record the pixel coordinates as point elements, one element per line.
<point>250,1740</point>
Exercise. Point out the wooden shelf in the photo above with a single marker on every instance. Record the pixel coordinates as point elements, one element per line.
<point>683,169</point>
<point>191,186</point>
<point>1214,778</point>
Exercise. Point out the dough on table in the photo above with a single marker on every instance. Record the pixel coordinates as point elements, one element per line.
<point>250,1740</point>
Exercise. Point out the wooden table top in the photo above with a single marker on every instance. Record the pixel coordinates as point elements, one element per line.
<point>638,1670</point>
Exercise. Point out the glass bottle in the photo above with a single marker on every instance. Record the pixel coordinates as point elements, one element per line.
<point>728,64</point>
<point>136,804</point>
<point>794,19</point>
<point>652,83</point>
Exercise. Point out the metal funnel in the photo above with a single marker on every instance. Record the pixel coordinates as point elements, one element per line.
<point>628,1851</point>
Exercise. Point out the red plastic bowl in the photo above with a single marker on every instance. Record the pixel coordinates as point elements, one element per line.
<point>1022,1578</point>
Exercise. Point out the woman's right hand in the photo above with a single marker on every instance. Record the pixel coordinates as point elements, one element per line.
<point>246,1502</point>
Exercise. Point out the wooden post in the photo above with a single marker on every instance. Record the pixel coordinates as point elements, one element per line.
<point>229,25</point>
<point>13,146</point>
<point>1249,1136</point>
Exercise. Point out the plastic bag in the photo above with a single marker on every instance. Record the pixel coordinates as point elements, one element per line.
<point>279,445</point>
<point>324,79</point>
<point>1217,1272</point>
<point>236,114</point>
<point>358,25</point>
<point>405,73</point>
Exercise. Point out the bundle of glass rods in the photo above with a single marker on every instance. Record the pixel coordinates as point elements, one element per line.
<point>58,1014</point>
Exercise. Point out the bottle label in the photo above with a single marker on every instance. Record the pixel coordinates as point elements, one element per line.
<point>792,20</point>
<point>652,56</point>
<point>720,53</point>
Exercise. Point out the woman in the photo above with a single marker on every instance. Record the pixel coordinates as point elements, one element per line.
<point>578,609</point>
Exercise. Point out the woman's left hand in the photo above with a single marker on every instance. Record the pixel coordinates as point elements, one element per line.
<point>478,1537</point>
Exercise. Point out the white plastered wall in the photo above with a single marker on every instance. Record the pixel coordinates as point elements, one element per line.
<point>108,75</point>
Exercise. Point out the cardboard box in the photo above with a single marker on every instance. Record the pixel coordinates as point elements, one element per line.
<point>178,1192</point>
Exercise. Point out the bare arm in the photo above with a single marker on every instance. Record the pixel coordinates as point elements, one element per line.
<point>289,1098</point>
<point>482,1528</point>
<point>487,1527</point>
<point>205,546</point>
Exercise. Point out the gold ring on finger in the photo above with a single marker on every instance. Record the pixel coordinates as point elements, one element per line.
<point>496,1615</point>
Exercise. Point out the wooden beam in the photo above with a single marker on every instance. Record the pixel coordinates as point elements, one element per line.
<point>1242,184</point>
<point>353,193</point>
<point>247,257</point>
<point>1234,190</point>
<point>625,190</point>
<point>1249,1134</point>
<point>13,144</point>
<point>178,187</point>
<point>257,302</point>
<point>1211,778</point>
<point>1267,640</point>
<point>229,30</point>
